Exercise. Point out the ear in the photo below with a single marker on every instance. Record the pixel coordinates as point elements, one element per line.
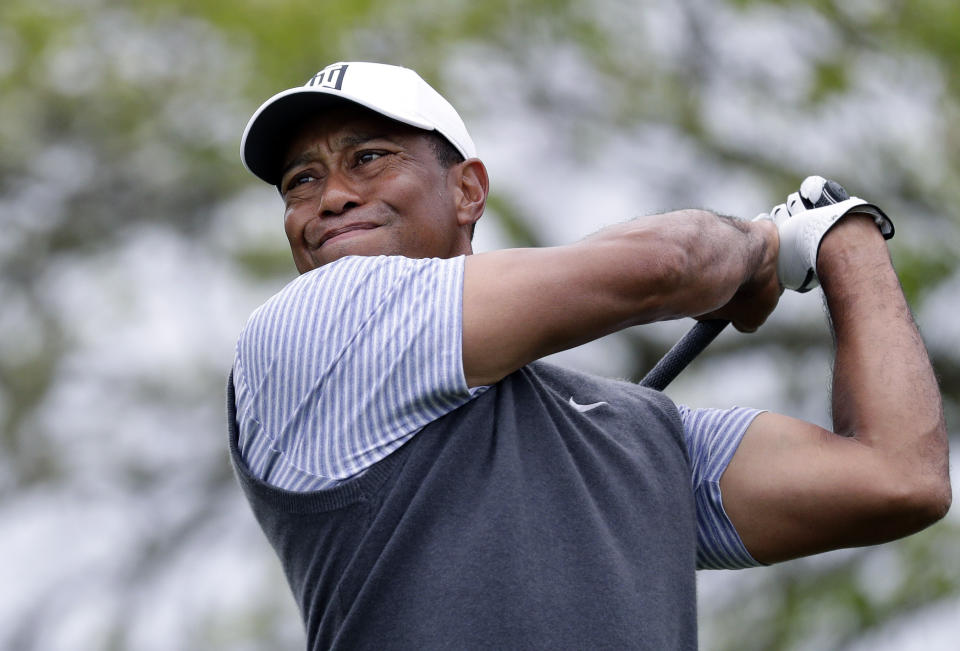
<point>471,186</point>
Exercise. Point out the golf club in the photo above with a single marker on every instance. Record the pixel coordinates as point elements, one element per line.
<point>682,353</point>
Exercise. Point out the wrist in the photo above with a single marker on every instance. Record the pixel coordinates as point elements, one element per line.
<point>767,244</point>
<point>852,241</point>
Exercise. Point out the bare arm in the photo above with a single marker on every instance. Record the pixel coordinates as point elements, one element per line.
<point>793,488</point>
<point>523,304</point>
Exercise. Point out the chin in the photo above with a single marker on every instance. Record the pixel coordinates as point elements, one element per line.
<point>335,251</point>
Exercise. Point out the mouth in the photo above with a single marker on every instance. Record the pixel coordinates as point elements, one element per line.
<point>345,231</point>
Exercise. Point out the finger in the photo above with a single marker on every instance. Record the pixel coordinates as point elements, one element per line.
<point>811,190</point>
<point>816,191</point>
<point>795,204</point>
<point>780,213</point>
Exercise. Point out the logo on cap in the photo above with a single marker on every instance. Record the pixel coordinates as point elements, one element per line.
<point>329,77</point>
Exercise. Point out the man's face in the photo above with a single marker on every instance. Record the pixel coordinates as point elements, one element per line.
<point>357,183</point>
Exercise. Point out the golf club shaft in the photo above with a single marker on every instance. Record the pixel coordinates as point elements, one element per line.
<point>682,353</point>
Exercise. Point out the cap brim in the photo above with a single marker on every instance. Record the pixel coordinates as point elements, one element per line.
<point>273,126</point>
<point>270,131</point>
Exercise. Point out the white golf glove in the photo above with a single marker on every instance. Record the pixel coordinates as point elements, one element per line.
<point>803,221</point>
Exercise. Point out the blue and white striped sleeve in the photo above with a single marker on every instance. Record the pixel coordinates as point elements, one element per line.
<point>712,437</point>
<point>345,364</point>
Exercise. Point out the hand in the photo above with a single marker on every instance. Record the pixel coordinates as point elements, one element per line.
<point>757,297</point>
<point>804,220</point>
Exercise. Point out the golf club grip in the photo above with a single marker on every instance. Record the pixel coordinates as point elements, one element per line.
<point>682,353</point>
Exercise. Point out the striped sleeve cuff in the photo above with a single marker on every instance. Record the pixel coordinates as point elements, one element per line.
<point>713,436</point>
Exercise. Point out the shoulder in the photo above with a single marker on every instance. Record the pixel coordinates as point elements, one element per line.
<point>354,285</point>
<point>341,278</point>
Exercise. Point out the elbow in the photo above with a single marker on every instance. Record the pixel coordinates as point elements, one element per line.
<point>921,502</point>
<point>934,502</point>
<point>933,493</point>
<point>916,491</point>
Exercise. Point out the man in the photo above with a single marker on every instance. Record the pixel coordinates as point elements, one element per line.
<point>427,483</point>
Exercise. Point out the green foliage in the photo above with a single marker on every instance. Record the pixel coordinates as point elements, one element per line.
<point>830,78</point>
<point>509,216</point>
<point>922,270</point>
<point>834,603</point>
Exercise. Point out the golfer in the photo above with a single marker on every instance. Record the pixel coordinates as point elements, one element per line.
<point>428,483</point>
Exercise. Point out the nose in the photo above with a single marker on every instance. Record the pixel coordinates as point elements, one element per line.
<point>339,195</point>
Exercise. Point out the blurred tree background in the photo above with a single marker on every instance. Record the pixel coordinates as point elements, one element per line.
<point>134,246</point>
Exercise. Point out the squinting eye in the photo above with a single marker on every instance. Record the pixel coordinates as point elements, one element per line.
<point>368,157</point>
<point>300,180</point>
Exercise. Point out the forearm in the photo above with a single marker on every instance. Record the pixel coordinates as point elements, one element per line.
<point>884,390</point>
<point>794,488</point>
<point>522,304</point>
<point>679,264</point>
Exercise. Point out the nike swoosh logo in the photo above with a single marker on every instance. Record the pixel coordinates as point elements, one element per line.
<point>583,408</point>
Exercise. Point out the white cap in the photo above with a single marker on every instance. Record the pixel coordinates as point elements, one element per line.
<point>398,93</point>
